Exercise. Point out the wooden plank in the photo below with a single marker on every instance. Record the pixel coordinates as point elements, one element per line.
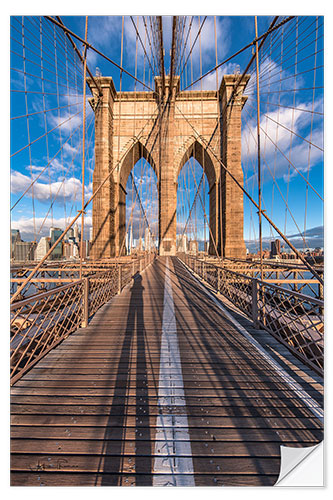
<point>57,478</point>
<point>141,464</point>
<point>89,429</point>
<point>202,408</point>
<point>87,446</point>
<point>200,420</point>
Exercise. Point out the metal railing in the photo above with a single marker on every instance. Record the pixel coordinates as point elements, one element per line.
<point>295,277</point>
<point>40,322</point>
<point>295,319</point>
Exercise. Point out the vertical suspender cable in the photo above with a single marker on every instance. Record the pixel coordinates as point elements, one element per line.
<point>28,125</point>
<point>292,128</point>
<point>258,144</point>
<point>203,152</point>
<point>219,194</point>
<point>44,112</point>
<point>311,129</point>
<point>120,85</point>
<point>83,143</point>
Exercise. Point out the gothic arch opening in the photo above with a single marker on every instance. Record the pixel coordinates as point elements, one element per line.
<point>138,202</point>
<point>197,151</point>
<point>197,203</point>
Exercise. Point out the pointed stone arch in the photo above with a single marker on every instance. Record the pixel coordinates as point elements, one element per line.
<point>210,167</point>
<point>134,154</point>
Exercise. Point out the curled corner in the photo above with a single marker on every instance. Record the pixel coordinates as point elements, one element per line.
<point>302,466</point>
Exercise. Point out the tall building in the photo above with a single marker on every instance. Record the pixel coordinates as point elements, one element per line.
<point>139,245</point>
<point>193,247</point>
<point>71,250</point>
<point>76,233</point>
<point>66,250</point>
<point>130,240</point>
<point>70,233</point>
<point>42,248</point>
<point>24,250</point>
<point>55,233</point>
<point>148,240</point>
<point>14,237</point>
<point>128,250</point>
<point>182,243</point>
<point>275,248</point>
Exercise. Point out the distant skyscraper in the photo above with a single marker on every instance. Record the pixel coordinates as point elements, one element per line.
<point>55,233</point>
<point>42,248</point>
<point>14,237</point>
<point>182,243</point>
<point>275,248</point>
<point>148,240</point>
<point>140,245</point>
<point>76,233</point>
<point>24,250</point>
<point>130,242</point>
<point>193,247</point>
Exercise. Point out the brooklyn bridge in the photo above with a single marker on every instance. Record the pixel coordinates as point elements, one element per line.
<point>170,329</point>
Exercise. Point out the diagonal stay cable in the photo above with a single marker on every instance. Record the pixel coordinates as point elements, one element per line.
<point>283,236</point>
<point>249,45</point>
<point>42,171</point>
<point>193,44</point>
<point>41,136</point>
<point>88,45</point>
<point>142,45</point>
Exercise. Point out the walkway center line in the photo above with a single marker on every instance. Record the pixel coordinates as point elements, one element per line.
<point>173,465</point>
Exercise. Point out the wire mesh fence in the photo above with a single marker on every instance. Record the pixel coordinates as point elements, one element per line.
<point>295,319</point>
<point>42,321</point>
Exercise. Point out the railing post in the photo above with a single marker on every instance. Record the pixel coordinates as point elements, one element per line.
<point>255,291</point>
<point>140,264</point>
<point>321,297</point>
<point>133,267</point>
<point>204,270</point>
<point>218,280</point>
<point>295,278</point>
<point>119,279</point>
<point>85,301</point>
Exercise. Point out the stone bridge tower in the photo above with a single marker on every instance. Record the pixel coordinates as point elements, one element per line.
<point>167,129</point>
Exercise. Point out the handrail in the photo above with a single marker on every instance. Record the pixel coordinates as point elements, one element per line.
<point>41,321</point>
<point>293,318</point>
<point>42,295</point>
<point>266,283</point>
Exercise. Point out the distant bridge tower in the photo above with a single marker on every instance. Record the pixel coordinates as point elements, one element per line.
<point>169,128</point>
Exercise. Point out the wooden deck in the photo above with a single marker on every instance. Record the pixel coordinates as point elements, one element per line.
<point>160,389</point>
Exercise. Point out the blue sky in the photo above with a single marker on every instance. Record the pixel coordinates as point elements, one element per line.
<point>287,97</point>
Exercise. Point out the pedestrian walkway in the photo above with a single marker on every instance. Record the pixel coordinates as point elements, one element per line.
<point>163,388</point>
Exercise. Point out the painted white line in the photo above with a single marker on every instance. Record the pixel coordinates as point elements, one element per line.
<point>297,388</point>
<point>173,465</point>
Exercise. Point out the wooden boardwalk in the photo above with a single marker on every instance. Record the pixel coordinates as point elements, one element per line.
<point>161,388</point>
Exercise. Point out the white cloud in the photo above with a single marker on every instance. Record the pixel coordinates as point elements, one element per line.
<point>66,121</point>
<point>70,149</point>
<point>276,127</point>
<point>67,189</point>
